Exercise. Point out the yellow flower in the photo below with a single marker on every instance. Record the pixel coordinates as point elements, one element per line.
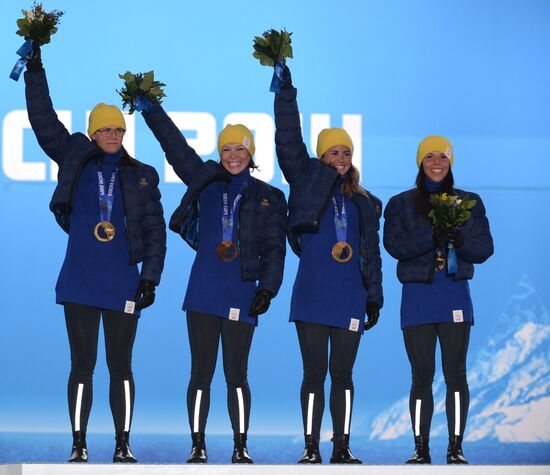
<point>444,197</point>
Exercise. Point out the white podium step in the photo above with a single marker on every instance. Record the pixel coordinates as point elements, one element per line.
<point>212,469</point>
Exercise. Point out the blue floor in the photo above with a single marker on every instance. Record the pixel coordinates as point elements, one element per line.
<point>174,449</point>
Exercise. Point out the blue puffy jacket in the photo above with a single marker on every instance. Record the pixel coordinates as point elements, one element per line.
<point>145,226</point>
<point>312,185</point>
<point>408,238</point>
<point>262,213</point>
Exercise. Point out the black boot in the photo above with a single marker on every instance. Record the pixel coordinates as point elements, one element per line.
<point>198,450</point>
<point>240,452</point>
<point>341,452</point>
<point>454,451</point>
<point>421,454</point>
<point>123,454</point>
<point>79,452</point>
<point>311,452</point>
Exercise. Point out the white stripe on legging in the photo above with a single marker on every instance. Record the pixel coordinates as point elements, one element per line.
<point>417,417</point>
<point>348,411</point>
<point>127,401</point>
<point>78,407</point>
<point>241,410</point>
<point>457,413</point>
<point>197,411</point>
<point>309,424</point>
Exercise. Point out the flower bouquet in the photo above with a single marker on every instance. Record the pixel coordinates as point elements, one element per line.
<point>140,91</point>
<point>272,49</point>
<point>37,27</point>
<point>450,211</point>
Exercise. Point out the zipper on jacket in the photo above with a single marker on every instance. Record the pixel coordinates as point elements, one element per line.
<point>362,232</point>
<point>125,214</point>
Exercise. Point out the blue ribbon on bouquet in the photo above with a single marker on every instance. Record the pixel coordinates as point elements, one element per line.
<point>25,52</point>
<point>277,79</point>
<point>142,103</point>
<point>452,265</point>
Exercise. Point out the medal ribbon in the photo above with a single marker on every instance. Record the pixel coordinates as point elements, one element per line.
<point>452,265</point>
<point>26,53</point>
<point>106,200</point>
<point>229,214</point>
<point>340,220</point>
<point>277,79</point>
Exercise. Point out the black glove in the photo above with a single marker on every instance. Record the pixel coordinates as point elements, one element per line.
<point>456,237</point>
<point>145,294</point>
<point>373,313</point>
<point>35,63</point>
<point>287,77</point>
<point>440,235</point>
<point>260,302</point>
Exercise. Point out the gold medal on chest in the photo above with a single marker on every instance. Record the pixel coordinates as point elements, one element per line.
<point>440,261</point>
<point>342,252</point>
<point>104,231</point>
<point>226,251</point>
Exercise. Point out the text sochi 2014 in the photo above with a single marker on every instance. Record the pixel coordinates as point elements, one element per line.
<point>200,128</point>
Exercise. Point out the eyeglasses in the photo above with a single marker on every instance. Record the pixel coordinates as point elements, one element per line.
<point>106,132</point>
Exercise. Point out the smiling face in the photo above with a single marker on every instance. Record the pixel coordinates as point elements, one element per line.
<point>235,157</point>
<point>109,138</point>
<point>436,165</point>
<point>339,158</point>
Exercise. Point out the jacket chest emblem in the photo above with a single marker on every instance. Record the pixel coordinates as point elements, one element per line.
<point>143,181</point>
<point>264,202</point>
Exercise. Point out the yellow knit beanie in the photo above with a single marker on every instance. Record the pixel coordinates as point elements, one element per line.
<point>328,138</point>
<point>237,133</point>
<point>434,143</point>
<point>105,114</point>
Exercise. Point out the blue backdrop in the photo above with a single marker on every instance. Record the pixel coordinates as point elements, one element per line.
<point>389,71</point>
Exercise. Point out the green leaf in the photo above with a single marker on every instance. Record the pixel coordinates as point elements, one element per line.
<point>275,45</point>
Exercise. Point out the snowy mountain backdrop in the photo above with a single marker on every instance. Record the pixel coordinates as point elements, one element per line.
<point>509,381</point>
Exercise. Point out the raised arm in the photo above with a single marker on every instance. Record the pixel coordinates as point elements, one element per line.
<point>51,134</point>
<point>183,158</point>
<point>291,150</point>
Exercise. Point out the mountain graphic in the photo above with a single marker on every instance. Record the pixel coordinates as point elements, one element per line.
<point>509,381</point>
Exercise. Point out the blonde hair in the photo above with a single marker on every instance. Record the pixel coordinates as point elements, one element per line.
<point>351,181</point>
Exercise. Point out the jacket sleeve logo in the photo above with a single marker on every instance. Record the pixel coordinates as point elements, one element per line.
<point>143,181</point>
<point>264,202</point>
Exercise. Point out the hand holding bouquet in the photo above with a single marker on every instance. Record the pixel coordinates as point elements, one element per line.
<point>272,49</point>
<point>37,27</point>
<point>140,91</point>
<point>448,213</point>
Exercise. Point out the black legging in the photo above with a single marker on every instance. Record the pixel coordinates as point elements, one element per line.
<point>120,331</point>
<point>204,336</point>
<point>314,343</point>
<point>420,342</point>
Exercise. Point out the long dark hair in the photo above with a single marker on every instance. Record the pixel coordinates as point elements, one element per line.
<point>422,195</point>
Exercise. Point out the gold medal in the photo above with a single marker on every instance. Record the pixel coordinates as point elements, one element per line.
<point>342,252</point>
<point>104,231</point>
<point>226,251</point>
<point>439,261</point>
